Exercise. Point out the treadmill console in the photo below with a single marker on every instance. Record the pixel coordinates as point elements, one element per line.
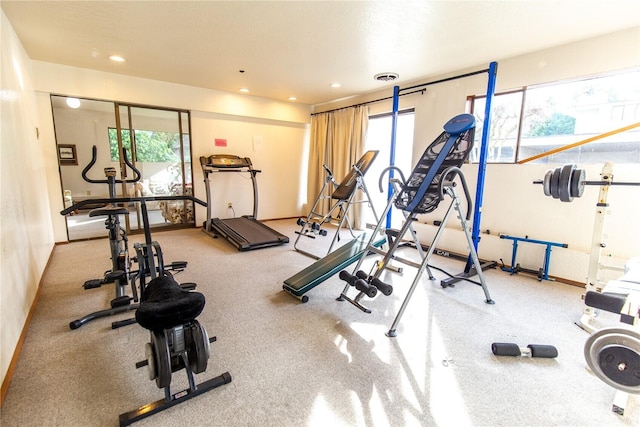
<point>226,161</point>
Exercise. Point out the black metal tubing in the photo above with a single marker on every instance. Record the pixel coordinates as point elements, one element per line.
<point>162,404</point>
<point>447,79</point>
<point>421,85</point>
<point>129,200</point>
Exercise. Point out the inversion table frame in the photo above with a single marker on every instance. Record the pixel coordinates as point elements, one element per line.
<point>431,180</point>
<point>344,196</point>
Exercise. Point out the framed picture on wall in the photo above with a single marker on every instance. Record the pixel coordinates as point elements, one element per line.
<point>67,154</point>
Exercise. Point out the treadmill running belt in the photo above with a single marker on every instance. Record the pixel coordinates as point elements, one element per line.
<point>246,233</point>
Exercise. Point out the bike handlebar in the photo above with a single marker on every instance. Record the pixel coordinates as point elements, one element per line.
<point>106,201</point>
<point>94,155</point>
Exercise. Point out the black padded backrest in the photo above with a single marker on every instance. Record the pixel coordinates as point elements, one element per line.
<point>348,184</point>
<point>431,198</point>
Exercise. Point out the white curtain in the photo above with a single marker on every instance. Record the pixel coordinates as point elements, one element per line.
<point>337,140</point>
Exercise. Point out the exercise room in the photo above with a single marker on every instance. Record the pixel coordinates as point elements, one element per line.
<point>311,213</point>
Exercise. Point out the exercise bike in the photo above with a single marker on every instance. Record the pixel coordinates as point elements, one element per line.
<point>121,273</point>
<point>168,310</point>
<point>118,243</point>
<point>177,341</point>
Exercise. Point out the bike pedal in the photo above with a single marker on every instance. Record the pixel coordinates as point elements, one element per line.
<point>177,265</point>
<point>189,286</point>
<point>120,301</point>
<point>92,284</point>
<point>113,276</point>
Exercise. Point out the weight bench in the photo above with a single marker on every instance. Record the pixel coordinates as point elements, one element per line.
<point>344,196</point>
<point>430,181</point>
<point>307,279</point>
<point>178,341</point>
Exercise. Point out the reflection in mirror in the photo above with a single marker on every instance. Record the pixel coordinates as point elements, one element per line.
<point>153,141</point>
<point>78,124</point>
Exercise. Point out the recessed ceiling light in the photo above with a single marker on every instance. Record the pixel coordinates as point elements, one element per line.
<point>292,98</point>
<point>244,89</point>
<point>73,102</point>
<point>335,84</point>
<point>117,58</point>
<point>386,77</point>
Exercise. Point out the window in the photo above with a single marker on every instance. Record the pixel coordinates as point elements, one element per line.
<point>537,119</point>
<point>151,146</point>
<point>379,138</point>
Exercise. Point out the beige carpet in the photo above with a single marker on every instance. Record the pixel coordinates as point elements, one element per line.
<point>323,363</point>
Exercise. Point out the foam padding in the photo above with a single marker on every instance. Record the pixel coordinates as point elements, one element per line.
<point>164,304</point>
<point>326,267</point>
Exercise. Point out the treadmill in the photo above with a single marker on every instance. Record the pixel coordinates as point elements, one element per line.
<point>245,232</point>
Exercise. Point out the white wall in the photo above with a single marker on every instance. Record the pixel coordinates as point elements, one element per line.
<point>278,149</point>
<point>512,204</point>
<point>282,127</point>
<point>26,237</point>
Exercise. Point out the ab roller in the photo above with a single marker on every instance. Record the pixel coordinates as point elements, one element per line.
<point>532,350</point>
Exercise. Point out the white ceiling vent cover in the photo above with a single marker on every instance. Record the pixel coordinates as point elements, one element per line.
<point>386,77</point>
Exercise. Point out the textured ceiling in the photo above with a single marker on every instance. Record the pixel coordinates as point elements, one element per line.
<point>298,48</point>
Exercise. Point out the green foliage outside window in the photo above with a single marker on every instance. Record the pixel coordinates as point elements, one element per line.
<point>151,146</point>
<point>557,124</point>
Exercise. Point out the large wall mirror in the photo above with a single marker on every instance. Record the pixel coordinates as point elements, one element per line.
<point>156,140</point>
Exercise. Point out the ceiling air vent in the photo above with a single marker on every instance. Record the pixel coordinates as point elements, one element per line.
<point>386,77</point>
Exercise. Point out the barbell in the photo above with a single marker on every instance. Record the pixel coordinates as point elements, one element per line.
<point>568,181</point>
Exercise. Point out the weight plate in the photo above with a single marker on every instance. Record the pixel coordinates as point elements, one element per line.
<point>546,184</point>
<point>199,348</point>
<point>564,184</point>
<point>613,354</point>
<point>620,364</point>
<point>162,358</point>
<point>554,183</point>
<point>151,363</point>
<point>577,182</point>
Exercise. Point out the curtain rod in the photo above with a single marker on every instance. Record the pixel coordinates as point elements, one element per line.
<point>369,102</point>
<point>447,79</point>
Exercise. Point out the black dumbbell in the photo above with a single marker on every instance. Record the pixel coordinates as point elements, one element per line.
<point>532,350</point>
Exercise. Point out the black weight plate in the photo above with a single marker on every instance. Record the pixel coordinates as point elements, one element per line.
<point>199,348</point>
<point>163,360</point>
<point>564,183</point>
<point>613,354</point>
<point>620,364</point>
<point>554,183</point>
<point>577,182</point>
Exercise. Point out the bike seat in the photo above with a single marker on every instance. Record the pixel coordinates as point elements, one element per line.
<point>164,304</point>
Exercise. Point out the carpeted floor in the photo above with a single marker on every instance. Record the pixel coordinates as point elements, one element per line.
<point>316,364</point>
